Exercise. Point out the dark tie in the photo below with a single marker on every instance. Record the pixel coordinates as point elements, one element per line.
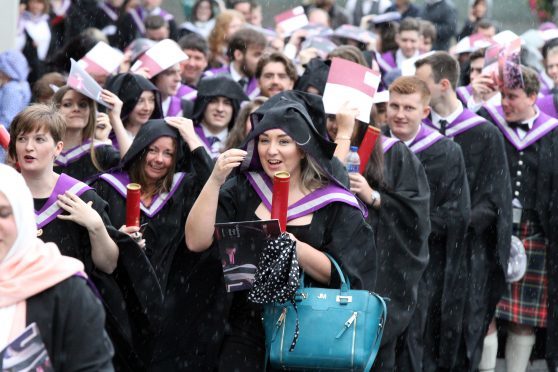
<point>519,125</point>
<point>443,125</point>
<point>212,140</point>
<point>243,82</point>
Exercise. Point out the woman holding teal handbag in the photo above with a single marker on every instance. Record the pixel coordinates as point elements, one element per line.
<point>323,216</point>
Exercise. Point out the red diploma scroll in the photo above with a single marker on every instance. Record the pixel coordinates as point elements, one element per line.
<point>367,146</point>
<point>133,204</point>
<point>4,137</point>
<point>280,199</point>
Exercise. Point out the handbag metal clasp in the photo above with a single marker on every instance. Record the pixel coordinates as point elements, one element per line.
<point>344,299</point>
<point>299,296</point>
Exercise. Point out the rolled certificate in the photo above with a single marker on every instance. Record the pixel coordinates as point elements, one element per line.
<point>280,199</point>
<point>367,146</point>
<point>4,137</point>
<point>133,204</point>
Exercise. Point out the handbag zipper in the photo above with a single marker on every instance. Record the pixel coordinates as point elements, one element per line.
<point>347,325</point>
<point>279,322</point>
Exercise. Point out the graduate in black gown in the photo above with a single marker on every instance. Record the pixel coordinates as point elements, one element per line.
<point>531,143</point>
<point>488,237</point>
<point>449,215</point>
<point>71,214</point>
<point>84,155</point>
<point>283,138</point>
<point>169,162</point>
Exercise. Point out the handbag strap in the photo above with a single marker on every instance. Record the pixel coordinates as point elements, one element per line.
<point>378,340</point>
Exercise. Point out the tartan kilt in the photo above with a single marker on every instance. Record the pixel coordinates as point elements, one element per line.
<point>526,301</point>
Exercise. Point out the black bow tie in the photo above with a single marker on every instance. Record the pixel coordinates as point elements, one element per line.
<point>443,125</point>
<point>519,125</point>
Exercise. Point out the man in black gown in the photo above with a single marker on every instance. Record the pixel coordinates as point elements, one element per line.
<point>487,241</point>
<point>449,214</point>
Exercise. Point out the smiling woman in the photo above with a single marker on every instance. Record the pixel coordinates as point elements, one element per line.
<point>283,138</point>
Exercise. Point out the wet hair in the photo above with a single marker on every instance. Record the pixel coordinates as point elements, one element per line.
<point>350,53</point>
<point>531,83</point>
<point>428,30</point>
<point>443,66</point>
<point>194,41</point>
<point>155,22</point>
<point>279,57</point>
<point>409,24</point>
<point>41,88</point>
<point>238,131</point>
<point>479,53</point>
<point>311,175</point>
<point>244,39</point>
<point>33,118</point>
<point>406,85</point>
<point>137,171</point>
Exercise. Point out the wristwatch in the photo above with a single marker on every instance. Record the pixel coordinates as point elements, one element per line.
<point>375,196</point>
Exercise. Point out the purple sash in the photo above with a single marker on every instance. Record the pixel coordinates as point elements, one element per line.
<point>163,13</point>
<point>69,156</point>
<point>388,142</point>
<point>464,93</point>
<point>50,210</point>
<point>136,14</point>
<point>205,142</point>
<point>542,126</point>
<point>310,203</point>
<point>546,83</point>
<point>186,92</point>
<point>174,106</point>
<point>252,89</point>
<point>119,181</point>
<point>462,123</point>
<point>425,138</point>
<point>546,105</point>
<point>386,61</point>
<point>217,71</point>
<point>109,10</point>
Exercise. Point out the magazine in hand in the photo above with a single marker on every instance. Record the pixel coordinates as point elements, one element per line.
<point>240,244</point>
<point>26,353</point>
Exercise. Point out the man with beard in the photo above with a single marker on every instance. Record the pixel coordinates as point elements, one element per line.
<point>275,73</point>
<point>215,111</point>
<point>246,47</point>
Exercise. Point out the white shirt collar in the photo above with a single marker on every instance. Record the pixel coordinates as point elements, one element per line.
<point>450,118</point>
<point>400,58</point>
<point>235,75</point>
<point>165,105</point>
<point>222,135</point>
<point>407,143</point>
<point>530,122</point>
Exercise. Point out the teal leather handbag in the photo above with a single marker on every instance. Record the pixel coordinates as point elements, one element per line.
<point>325,329</point>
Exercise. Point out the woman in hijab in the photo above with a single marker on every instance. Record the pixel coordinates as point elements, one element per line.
<point>284,138</point>
<point>141,101</point>
<point>40,286</point>
<point>169,162</point>
<point>83,156</point>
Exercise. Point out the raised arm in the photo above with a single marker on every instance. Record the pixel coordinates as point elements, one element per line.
<point>201,220</point>
<point>122,137</point>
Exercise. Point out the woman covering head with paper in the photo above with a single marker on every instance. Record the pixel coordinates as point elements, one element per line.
<point>39,285</point>
<point>322,213</point>
<point>86,151</point>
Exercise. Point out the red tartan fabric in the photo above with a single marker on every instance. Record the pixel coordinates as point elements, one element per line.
<point>526,301</point>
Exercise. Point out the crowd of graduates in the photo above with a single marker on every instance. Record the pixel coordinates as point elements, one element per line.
<point>452,218</point>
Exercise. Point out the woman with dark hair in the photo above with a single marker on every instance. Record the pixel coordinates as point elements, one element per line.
<point>141,100</point>
<point>83,155</point>
<point>168,161</point>
<point>203,16</point>
<point>283,138</point>
<point>243,125</point>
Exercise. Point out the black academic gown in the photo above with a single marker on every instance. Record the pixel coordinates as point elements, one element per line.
<point>487,245</point>
<point>441,288</point>
<point>131,295</point>
<point>71,321</point>
<point>189,331</point>
<point>337,229</point>
<point>402,227</point>
<point>543,194</point>
<point>83,169</point>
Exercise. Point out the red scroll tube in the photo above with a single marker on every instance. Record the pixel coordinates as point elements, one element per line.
<point>4,137</point>
<point>367,146</point>
<point>280,199</point>
<point>133,204</point>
